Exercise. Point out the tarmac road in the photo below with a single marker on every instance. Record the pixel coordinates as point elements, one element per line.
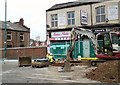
<point>11,73</point>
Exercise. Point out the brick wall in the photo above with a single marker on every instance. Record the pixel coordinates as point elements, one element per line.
<point>34,52</point>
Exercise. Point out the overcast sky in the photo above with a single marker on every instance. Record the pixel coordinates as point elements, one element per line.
<point>32,11</point>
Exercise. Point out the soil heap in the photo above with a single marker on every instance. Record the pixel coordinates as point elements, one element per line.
<point>108,71</point>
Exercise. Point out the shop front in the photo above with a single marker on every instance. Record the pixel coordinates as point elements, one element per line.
<point>60,43</point>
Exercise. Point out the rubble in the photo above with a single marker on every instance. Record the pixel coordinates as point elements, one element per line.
<point>106,72</point>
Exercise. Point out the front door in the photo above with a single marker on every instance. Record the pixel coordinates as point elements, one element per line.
<point>86,48</point>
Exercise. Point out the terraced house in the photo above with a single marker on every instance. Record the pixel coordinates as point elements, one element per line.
<point>61,18</point>
<point>17,34</point>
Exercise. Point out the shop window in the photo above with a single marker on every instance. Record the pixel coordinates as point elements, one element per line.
<point>100,14</point>
<point>54,20</point>
<point>21,37</point>
<point>71,18</point>
<point>9,36</point>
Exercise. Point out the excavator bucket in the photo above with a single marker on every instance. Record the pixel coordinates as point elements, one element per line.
<point>24,61</point>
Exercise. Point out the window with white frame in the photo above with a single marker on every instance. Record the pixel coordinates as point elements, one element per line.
<point>54,20</point>
<point>100,14</point>
<point>9,36</point>
<point>21,37</point>
<point>71,18</point>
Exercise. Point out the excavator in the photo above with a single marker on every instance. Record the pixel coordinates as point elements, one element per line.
<point>106,52</point>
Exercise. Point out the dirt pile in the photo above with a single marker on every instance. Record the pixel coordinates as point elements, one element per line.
<point>106,72</point>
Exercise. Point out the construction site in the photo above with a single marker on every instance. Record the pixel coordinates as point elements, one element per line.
<point>79,48</point>
<point>104,68</point>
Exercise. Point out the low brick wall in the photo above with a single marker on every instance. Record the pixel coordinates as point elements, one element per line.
<point>34,52</point>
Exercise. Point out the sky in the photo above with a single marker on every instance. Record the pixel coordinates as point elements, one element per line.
<point>32,11</point>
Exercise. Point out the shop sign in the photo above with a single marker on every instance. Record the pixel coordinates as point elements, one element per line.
<point>60,35</point>
<point>61,20</point>
<point>112,12</point>
<point>84,17</point>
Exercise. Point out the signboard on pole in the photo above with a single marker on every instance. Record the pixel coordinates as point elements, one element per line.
<point>48,44</point>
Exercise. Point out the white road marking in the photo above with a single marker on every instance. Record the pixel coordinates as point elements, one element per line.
<point>1,73</point>
<point>10,61</point>
<point>53,79</point>
<point>51,75</point>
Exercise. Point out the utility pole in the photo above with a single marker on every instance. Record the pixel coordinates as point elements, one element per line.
<point>5,29</point>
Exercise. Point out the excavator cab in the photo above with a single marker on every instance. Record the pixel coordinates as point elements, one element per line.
<point>115,36</point>
<point>106,43</point>
<point>107,48</point>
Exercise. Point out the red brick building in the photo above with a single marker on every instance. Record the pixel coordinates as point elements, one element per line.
<point>17,34</point>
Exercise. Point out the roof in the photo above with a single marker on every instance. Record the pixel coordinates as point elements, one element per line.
<point>14,26</point>
<point>73,4</point>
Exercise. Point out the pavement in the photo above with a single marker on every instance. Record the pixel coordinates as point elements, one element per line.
<point>11,73</point>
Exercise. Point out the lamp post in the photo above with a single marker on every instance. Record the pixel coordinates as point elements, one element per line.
<point>5,29</point>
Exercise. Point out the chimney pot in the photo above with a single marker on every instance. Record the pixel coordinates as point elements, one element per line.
<point>21,21</point>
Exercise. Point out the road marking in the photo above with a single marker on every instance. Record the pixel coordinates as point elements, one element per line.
<point>52,75</point>
<point>53,79</point>
<point>1,73</point>
<point>73,81</point>
<point>10,61</point>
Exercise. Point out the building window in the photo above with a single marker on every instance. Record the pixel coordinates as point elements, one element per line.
<point>100,14</point>
<point>21,37</point>
<point>71,18</point>
<point>9,36</point>
<point>22,45</point>
<point>9,46</point>
<point>54,20</point>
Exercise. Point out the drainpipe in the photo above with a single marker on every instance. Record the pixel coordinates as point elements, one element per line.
<point>91,14</point>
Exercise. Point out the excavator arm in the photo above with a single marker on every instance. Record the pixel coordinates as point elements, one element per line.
<point>107,44</point>
<point>80,31</point>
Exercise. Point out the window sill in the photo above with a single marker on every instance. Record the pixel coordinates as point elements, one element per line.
<point>9,40</point>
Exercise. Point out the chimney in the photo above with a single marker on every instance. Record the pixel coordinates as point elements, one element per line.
<point>21,21</point>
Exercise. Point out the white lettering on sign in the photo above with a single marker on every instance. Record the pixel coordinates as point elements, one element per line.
<point>60,34</point>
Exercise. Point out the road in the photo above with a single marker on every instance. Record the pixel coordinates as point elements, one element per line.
<point>11,73</point>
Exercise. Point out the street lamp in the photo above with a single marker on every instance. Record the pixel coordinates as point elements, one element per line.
<point>5,29</point>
